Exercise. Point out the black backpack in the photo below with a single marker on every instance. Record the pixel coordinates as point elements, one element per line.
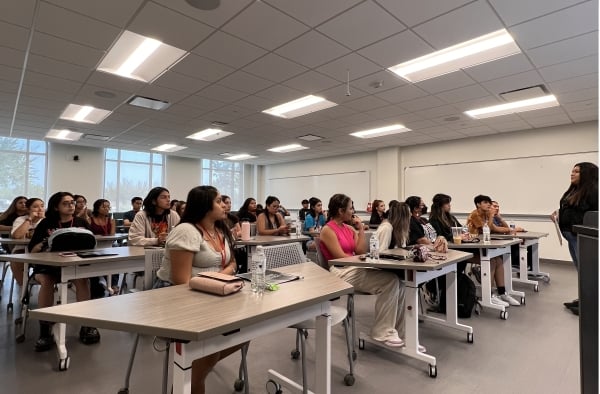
<point>466,295</point>
<point>71,238</point>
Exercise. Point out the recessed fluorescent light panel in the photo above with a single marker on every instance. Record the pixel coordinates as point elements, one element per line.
<point>169,148</point>
<point>302,106</point>
<point>470,53</point>
<point>138,57</point>
<point>149,103</point>
<point>209,135</point>
<point>287,148</point>
<point>84,113</point>
<point>241,156</point>
<point>381,131</point>
<point>65,135</point>
<point>516,106</point>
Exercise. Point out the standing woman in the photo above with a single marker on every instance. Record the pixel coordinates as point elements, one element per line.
<point>580,197</point>
<point>23,227</point>
<point>201,242</point>
<point>248,210</point>
<point>151,226</point>
<point>270,222</point>
<point>377,213</point>
<point>15,209</point>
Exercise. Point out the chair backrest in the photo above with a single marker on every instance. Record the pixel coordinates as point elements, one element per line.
<point>153,260</point>
<point>320,258</point>
<point>71,238</point>
<point>284,254</point>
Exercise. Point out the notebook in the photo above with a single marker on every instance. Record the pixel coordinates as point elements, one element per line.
<point>271,277</point>
<point>85,255</point>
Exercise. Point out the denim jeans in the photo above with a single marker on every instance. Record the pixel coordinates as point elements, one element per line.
<point>159,283</point>
<point>572,241</point>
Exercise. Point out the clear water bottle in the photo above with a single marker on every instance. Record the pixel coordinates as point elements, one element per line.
<point>259,267</point>
<point>512,227</point>
<point>486,234</point>
<point>374,247</point>
<point>298,227</point>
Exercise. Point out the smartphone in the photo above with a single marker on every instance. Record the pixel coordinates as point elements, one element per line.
<point>67,254</point>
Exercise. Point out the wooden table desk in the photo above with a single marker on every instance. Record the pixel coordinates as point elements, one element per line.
<point>212,323</point>
<point>417,273</point>
<point>528,239</point>
<point>106,241</point>
<point>127,259</point>
<point>486,252</point>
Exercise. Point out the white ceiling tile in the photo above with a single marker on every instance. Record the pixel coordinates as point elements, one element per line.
<point>87,95</point>
<point>311,82</point>
<point>339,94</point>
<point>221,93</point>
<point>13,73</point>
<point>162,93</point>
<point>313,12</point>
<point>584,116</point>
<point>227,49</point>
<point>547,121</point>
<point>256,104</point>
<point>386,112</point>
<point>476,131</point>
<point>20,13</point>
<point>500,68</point>
<point>477,103</point>
<point>510,125</point>
<point>513,82</point>
<point>115,12</point>
<point>573,21</point>
<point>249,25</point>
<point>422,103</point>
<point>566,50</point>
<point>275,68</point>
<point>11,57</point>
<point>13,36</point>
<point>280,94</point>
<point>577,95</point>
<point>379,82</point>
<point>541,113</point>
<point>517,11</point>
<point>312,49</point>
<point>245,82</point>
<point>437,112</point>
<point>411,15</point>
<point>581,105</point>
<point>402,93</point>
<point>586,65</point>
<point>45,65</point>
<point>202,104</point>
<point>571,84</point>
<point>168,26</point>
<point>463,94</point>
<point>65,51</point>
<point>50,82</point>
<point>357,65</point>
<point>111,82</point>
<point>446,82</point>
<point>420,124</point>
<point>366,103</point>
<point>226,10</point>
<point>202,68</point>
<point>396,49</point>
<point>465,23</point>
<point>180,82</point>
<point>69,25</point>
<point>361,26</point>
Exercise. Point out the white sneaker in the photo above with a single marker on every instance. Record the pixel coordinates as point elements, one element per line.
<point>507,298</point>
<point>497,301</point>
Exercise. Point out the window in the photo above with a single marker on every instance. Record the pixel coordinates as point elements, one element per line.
<point>128,174</point>
<point>227,176</point>
<point>23,169</point>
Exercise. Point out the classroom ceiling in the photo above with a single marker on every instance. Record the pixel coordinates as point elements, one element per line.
<point>250,55</point>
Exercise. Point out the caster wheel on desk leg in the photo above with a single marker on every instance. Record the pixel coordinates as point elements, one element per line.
<point>63,364</point>
<point>536,288</point>
<point>470,337</point>
<point>349,380</point>
<point>9,307</point>
<point>432,371</point>
<point>547,279</point>
<point>522,300</point>
<point>238,385</point>
<point>504,315</point>
<point>295,354</point>
<point>123,391</point>
<point>273,387</point>
<point>361,344</point>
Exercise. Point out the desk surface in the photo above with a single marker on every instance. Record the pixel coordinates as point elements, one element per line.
<point>181,313</point>
<point>523,235</point>
<point>494,244</point>
<point>452,257</point>
<point>14,241</point>
<point>115,237</point>
<point>54,259</point>
<point>272,240</point>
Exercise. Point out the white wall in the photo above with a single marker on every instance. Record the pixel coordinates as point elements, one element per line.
<point>181,175</point>
<point>85,177</point>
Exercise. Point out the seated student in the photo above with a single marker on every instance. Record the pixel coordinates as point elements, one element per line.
<point>304,210</point>
<point>16,208</point>
<point>248,210</point>
<point>339,240</point>
<point>232,221</point>
<point>421,231</point>
<point>136,204</point>
<point>23,227</point>
<point>102,224</point>
<point>378,210</point>
<point>314,219</point>
<point>475,222</point>
<point>393,230</point>
<point>270,222</point>
<point>173,205</point>
<point>201,242</point>
<point>81,209</point>
<point>284,212</point>
<point>180,207</point>
<point>152,224</point>
<point>259,209</point>
<point>60,214</point>
<point>499,221</point>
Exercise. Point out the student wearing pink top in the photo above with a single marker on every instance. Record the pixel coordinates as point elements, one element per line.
<point>338,240</point>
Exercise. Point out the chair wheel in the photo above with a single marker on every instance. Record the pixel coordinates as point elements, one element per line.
<point>361,344</point>
<point>63,364</point>
<point>522,300</point>
<point>123,391</point>
<point>20,338</point>
<point>295,354</point>
<point>504,315</point>
<point>238,385</point>
<point>349,380</point>
<point>470,337</point>
<point>9,307</point>
<point>432,371</point>
<point>273,385</point>
<point>536,288</point>
<point>547,279</point>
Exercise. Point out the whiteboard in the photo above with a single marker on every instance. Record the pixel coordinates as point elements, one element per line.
<point>522,185</point>
<point>292,190</point>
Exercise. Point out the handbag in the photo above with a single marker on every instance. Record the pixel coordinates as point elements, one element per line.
<point>216,283</point>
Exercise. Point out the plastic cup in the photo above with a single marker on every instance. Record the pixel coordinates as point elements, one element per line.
<point>457,235</point>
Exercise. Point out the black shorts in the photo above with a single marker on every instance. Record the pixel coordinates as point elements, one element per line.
<point>52,271</point>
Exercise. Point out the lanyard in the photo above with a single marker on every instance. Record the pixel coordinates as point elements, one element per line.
<point>216,243</point>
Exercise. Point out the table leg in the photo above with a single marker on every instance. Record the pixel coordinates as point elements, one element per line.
<point>535,263</point>
<point>486,282</point>
<point>523,274</point>
<point>59,331</point>
<point>506,258</point>
<point>182,374</point>
<point>323,355</point>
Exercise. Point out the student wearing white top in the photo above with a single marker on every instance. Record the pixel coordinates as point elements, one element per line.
<point>393,230</point>
<point>23,227</point>
<point>201,242</point>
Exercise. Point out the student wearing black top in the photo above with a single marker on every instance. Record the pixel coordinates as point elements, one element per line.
<point>442,220</point>
<point>421,231</point>
<point>580,197</point>
<point>248,210</point>
<point>136,204</point>
<point>16,208</point>
<point>377,213</point>
<point>305,209</point>
<point>60,214</point>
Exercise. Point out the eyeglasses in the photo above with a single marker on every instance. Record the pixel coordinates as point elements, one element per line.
<point>67,203</point>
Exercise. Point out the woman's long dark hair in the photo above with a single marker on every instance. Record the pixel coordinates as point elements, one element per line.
<point>312,203</point>
<point>200,202</point>
<point>337,202</point>
<point>399,217</point>
<point>11,212</point>
<point>413,202</point>
<point>437,210</point>
<point>97,204</point>
<point>588,184</point>
<point>52,211</point>
<point>150,200</point>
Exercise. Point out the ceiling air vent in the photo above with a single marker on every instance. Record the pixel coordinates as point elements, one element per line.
<point>524,93</point>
